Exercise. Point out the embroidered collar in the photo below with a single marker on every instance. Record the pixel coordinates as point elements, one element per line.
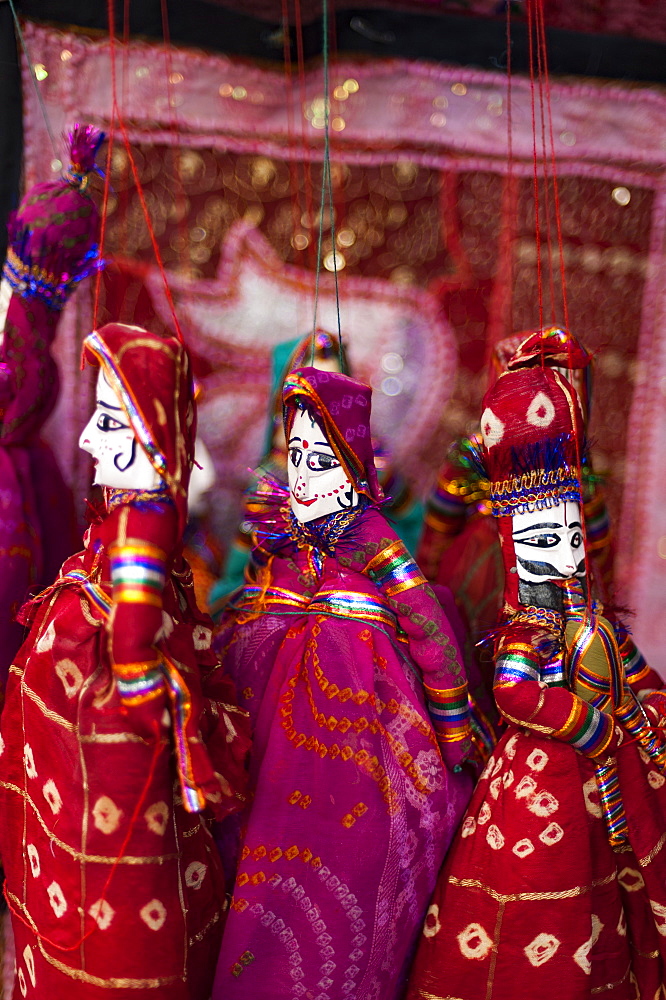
<point>115,498</point>
<point>544,617</point>
<point>324,533</point>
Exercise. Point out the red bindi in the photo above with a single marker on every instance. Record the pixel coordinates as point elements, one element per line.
<point>305,444</point>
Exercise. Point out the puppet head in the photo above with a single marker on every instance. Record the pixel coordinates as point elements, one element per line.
<point>532,433</point>
<point>150,379</point>
<point>558,349</point>
<point>53,236</point>
<point>330,455</point>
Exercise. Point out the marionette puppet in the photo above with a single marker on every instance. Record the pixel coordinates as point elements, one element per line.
<point>120,738</point>
<point>359,702</point>
<point>556,881</point>
<point>52,248</point>
<point>460,546</point>
<point>402,508</point>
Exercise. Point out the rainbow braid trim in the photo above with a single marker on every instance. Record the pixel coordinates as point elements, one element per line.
<point>635,667</point>
<point>97,596</point>
<point>181,710</point>
<point>587,729</point>
<point>394,570</point>
<point>137,572</point>
<point>138,683</point>
<point>449,711</point>
<point>611,804</point>
<point>516,665</point>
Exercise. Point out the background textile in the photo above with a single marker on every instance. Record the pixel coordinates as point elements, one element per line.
<point>230,155</point>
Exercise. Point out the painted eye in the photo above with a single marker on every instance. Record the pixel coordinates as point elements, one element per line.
<point>318,461</point>
<point>295,456</point>
<point>577,540</point>
<point>540,541</point>
<point>105,422</point>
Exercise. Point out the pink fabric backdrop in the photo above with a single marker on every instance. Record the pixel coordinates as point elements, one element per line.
<point>448,120</point>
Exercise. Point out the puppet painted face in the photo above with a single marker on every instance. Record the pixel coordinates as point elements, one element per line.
<point>549,547</point>
<point>318,484</point>
<point>120,461</point>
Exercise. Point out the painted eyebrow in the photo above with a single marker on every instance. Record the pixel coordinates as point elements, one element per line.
<point>324,443</point>
<point>108,406</point>
<point>575,524</point>
<point>294,439</point>
<point>536,527</point>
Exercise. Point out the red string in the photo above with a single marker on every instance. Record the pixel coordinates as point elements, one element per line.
<point>558,218</point>
<point>159,743</point>
<point>537,227</point>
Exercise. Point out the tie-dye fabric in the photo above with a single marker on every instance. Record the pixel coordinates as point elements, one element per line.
<point>555,885</point>
<point>353,806</point>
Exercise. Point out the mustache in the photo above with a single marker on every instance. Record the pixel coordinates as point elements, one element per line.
<point>547,569</point>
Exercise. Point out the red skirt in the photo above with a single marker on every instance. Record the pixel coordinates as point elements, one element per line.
<point>532,901</point>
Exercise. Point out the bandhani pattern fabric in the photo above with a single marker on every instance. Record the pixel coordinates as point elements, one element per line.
<point>115,861</point>
<point>354,801</point>
<point>557,872</point>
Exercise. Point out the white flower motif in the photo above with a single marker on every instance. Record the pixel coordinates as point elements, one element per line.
<point>21,981</point>
<point>52,796</point>
<point>157,817</point>
<point>495,785</point>
<point>33,858</point>
<point>106,814</point>
<point>432,926</point>
<point>494,837</point>
<point>525,787</point>
<point>510,747</point>
<point>102,913</point>
<point>541,411</point>
<point>631,880</point>
<point>543,804</point>
<point>659,914</point>
<point>474,942</point>
<point>484,814</point>
<point>70,675</point>
<point>580,955</point>
<point>537,760</point>
<point>429,766</point>
<point>57,899</point>
<point>522,848</point>
<point>655,780</point>
<point>202,637</point>
<point>492,428</point>
<point>507,778</point>
<point>45,642</point>
<point>551,835</point>
<point>2,746</point>
<point>153,914</point>
<point>195,873</point>
<point>468,827</point>
<point>541,949</point>
<point>591,796</point>
<point>29,960</point>
<point>29,761</point>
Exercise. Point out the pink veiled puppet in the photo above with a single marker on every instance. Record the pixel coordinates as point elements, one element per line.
<point>52,246</point>
<point>354,683</point>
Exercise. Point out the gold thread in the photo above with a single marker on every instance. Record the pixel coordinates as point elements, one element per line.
<point>514,897</point>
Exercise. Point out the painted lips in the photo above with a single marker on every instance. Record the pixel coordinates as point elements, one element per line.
<point>304,503</point>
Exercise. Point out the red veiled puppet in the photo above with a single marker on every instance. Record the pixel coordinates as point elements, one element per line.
<point>555,885</point>
<point>354,682</point>
<point>120,737</point>
<point>52,247</point>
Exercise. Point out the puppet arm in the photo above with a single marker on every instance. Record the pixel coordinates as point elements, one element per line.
<point>524,699</point>
<point>139,560</point>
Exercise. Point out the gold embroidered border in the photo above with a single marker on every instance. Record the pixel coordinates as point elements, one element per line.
<point>611,986</point>
<point>53,716</point>
<point>127,859</point>
<point>532,897</point>
<point>644,862</point>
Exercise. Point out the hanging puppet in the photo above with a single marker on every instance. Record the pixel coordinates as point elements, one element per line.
<point>359,702</point>
<point>52,247</point>
<point>402,509</point>
<point>460,546</point>
<point>556,881</point>
<point>119,732</point>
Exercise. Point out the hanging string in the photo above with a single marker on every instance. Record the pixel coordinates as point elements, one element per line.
<point>541,62</point>
<point>558,216</point>
<point>537,227</point>
<point>326,188</point>
<point>33,77</point>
